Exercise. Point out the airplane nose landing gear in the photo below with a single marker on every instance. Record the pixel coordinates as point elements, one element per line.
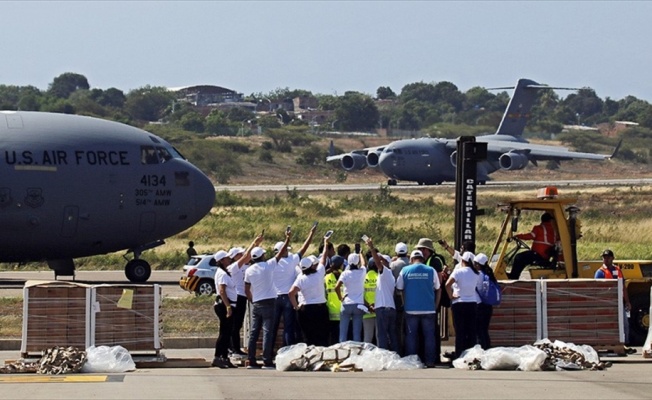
<point>138,271</point>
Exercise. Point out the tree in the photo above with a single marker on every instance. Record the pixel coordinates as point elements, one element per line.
<point>192,121</point>
<point>357,111</point>
<point>65,84</point>
<point>385,92</point>
<point>217,124</point>
<point>419,91</point>
<point>148,103</point>
<point>110,97</point>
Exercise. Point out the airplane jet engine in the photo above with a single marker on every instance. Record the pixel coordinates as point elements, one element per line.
<point>454,158</point>
<point>512,161</point>
<point>373,158</point>
<point>353,161</point>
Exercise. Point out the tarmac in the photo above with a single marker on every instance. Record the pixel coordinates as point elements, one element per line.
<point>627,378</point>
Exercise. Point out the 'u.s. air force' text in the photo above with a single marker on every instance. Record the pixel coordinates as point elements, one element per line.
<point>63,157</point>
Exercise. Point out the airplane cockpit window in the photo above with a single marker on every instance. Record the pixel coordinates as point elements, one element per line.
<point>163,154</point>
<point>148,155</point>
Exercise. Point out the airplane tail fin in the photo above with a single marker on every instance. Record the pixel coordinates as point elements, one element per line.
<point>518,109</point>
<point>616,149</point>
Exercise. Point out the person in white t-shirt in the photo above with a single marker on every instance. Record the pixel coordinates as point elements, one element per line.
<point>461,287</point>
<point>353,303</point>
<point>285,274</point>
<point>311,308</point>
<point>261,292</point>
<point>386,332</point>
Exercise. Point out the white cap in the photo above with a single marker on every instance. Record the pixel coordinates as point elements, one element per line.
<point>468,256</point>
<point>314,259</point>
<point>386,257</point>
<point>401,248</point>
<point>480,258</point>
<point>354,259</point>
<point>278,246</point>
<point>416,253</point>
<point>220,255</point>
<point>235,251</point>
<point>257,252</point>
<point>305,263</point>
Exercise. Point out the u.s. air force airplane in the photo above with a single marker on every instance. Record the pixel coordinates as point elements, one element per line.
<point>431,161</point>
<point>76,186</point>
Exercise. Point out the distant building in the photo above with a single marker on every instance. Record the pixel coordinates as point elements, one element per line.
<point>207,95</point>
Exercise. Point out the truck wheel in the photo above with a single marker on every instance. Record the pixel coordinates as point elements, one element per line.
<point>639,320</point>
<point>205,287</point>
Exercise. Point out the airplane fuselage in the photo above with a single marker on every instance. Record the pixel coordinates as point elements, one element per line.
<point>76,186</point>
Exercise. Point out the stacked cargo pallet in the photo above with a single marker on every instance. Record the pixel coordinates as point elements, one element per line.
<point>72,314</point>
<point>516,320</point>
<point>583,311</point>
<point>580,311</point>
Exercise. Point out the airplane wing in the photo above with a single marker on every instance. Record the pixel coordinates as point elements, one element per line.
<point>357,159</point>
<point>542,152</point>
<point>362,152</point>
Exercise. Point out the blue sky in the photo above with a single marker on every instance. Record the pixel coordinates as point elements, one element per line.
<point>329,46</point>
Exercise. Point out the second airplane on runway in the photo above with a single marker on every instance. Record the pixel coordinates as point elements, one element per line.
<point>431,161</point>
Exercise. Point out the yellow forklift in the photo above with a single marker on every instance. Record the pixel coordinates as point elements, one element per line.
<point>563,263</point>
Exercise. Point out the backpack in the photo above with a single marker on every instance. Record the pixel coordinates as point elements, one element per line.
<point>490,293</point>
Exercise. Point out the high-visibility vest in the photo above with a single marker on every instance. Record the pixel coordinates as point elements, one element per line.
<point>332,301</point>
<point>370,283</point>
<point>543,238</point>
<point>609,275</point>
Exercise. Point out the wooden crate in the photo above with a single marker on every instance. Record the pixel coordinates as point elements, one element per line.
<point>57,313</point>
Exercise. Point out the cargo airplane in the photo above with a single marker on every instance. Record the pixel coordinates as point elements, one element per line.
<point>431,161</point>
<point>75,186</point>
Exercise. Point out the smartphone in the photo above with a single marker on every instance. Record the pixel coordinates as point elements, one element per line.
<point>262,233</point>
<point>314,224</point>
<point>365,238</point>
<point>441,241</point>
<point>357,248</point>
<point>288,229</point>
<point>328,234</point>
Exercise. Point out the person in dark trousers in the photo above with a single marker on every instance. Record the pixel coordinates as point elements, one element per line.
<point>438,262</point>
<point>609,270</point>
<point>543,238</point>
<point>484,311</point>
<point>421,292</point>
<point>285,274</point>
<point>461,287</point>
<point>191,250</point>
<point>224,304</point>
<point>312,311</point>
<point>260,290</point>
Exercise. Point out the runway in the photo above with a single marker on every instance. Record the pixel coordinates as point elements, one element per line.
<point>344,187</point>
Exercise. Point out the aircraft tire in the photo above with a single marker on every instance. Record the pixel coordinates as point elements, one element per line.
<point>138,271</point>
<point>391,182</point>
<point>639,320</point>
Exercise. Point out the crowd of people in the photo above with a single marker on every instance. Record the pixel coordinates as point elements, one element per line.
<point>349,294</point>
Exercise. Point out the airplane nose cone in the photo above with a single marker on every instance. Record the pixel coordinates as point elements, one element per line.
<point>385,163</point>
<point>204,194</point>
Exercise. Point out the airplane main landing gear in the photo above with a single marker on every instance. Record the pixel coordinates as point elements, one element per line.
<point>391,182</point>
<point>138,271</point>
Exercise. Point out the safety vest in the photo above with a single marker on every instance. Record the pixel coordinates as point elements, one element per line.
<point>609,275</point>
<point>370,283</point>
<point>543,238</point>
<point>332,301</point>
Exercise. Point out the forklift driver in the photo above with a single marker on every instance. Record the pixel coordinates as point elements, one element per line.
<point>543,238</point>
